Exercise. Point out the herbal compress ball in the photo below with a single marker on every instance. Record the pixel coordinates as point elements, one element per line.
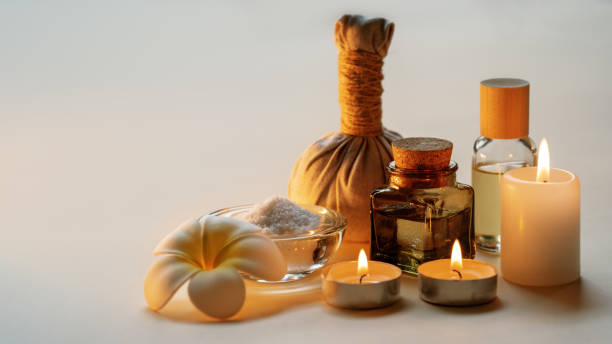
<point>340,169</point>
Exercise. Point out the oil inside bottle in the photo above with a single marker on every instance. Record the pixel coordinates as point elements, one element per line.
<point>486,181</point>
<point>411,233</point>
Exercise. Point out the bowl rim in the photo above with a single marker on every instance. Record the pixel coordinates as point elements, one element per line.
<point>339,226</point>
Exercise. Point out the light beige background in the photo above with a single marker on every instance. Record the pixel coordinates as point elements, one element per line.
<point>120,119</point>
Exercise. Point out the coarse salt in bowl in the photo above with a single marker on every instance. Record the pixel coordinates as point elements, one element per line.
<point>306,244</point>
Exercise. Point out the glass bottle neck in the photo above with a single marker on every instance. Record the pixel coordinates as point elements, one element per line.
<point>422,179</point>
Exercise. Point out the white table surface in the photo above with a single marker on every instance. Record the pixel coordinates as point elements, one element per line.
<point>118,120</point>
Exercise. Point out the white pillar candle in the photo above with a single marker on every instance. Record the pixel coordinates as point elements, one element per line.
<point>540,225</point>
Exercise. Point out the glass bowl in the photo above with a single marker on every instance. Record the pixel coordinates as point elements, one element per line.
<point>304,252</point>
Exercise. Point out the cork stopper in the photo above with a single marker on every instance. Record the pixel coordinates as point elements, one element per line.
<point>422,153</point>
<point>504,108</point>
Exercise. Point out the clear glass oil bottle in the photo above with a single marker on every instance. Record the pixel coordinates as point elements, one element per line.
<point>417,217</point>
<point>504,145</point>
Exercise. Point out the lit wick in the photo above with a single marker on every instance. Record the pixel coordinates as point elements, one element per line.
<point>543,170</point>
<point>458,273</point>
<point>361,278</point>
<point>456,261</point>
<point>362,266</point>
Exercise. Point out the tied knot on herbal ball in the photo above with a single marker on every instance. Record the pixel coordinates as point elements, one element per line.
<point>209,253</point>
<point>360,89</point>
<point>362,44</point>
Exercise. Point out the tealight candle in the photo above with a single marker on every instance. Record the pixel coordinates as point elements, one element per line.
<point>457,281</point>
<point>361,284</point>
<point>540,224</point>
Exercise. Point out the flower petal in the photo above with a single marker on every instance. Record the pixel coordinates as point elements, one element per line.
<point>256,255</point>
<point>185,241</point>
<point>164,278</point>
<point>219,293</point>
<point>218,232</point>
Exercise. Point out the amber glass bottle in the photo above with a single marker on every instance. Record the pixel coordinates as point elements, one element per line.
<point>417,217</point>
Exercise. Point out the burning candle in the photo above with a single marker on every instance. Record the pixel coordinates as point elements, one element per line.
<point>361,284</point>
<point>540,224</point>
<point>457,281</point>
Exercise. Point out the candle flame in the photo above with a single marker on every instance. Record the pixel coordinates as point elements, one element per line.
<point>456,261</point>
<point>362,263</point>
<point>543,174</point>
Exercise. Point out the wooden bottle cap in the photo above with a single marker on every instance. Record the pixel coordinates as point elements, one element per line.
<point>422,153</point>
<point>504,108</point>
